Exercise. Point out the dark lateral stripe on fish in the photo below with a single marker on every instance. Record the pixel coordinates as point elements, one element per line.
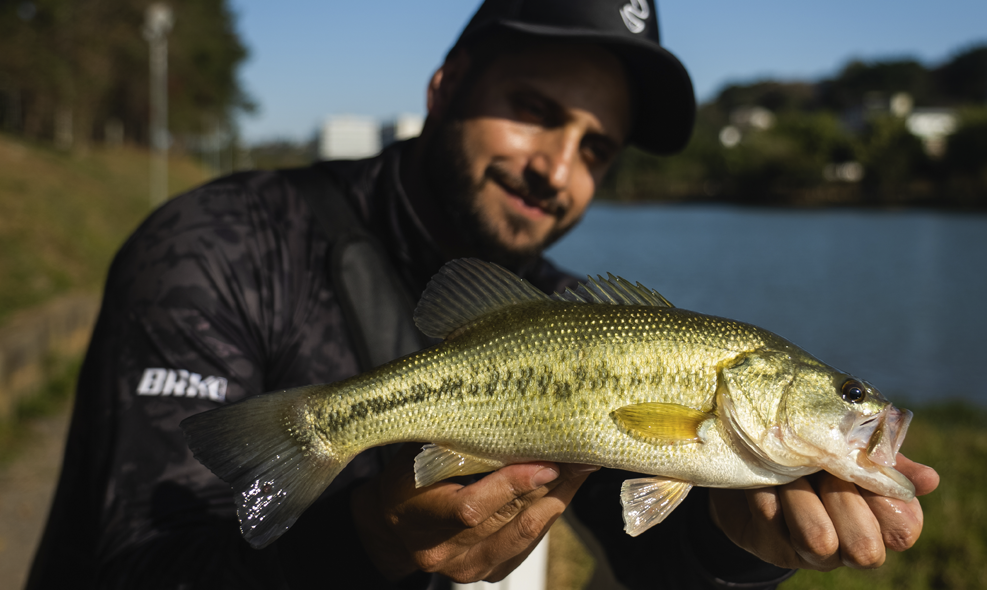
<point>536,383</point>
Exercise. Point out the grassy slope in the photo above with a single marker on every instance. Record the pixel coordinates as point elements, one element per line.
<point>64,215</point>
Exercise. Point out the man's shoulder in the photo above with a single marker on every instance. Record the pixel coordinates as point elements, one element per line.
<point>227,200</point>
<point>231,226</point>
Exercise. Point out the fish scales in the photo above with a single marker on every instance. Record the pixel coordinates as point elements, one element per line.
<point>609,375</point>
<point>558,375</point>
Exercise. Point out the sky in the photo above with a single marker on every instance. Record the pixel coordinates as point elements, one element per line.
<point>313,58</point>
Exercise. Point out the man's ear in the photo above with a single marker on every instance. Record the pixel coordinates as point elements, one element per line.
<point>445,83</point>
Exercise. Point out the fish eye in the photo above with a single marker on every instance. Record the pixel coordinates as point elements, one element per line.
<point>853,391</point>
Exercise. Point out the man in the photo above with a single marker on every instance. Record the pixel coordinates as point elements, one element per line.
<point>226,292</point>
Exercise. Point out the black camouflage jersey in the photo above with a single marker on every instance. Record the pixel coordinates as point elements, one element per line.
<point>223,293</point>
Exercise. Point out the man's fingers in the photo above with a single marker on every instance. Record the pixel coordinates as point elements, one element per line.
<point>503,493</point>
<point>531,525</point>
<point>860,541</point>
<point>822,522</point>
<point>754,520</point>
<point>925,478</point>
<point>728,510</point>
<point>512,543</point>
<point>811,530</point>
<point>901,522</point>
<point>467,506</point>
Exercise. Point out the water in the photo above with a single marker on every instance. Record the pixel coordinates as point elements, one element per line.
<point>896,298</point>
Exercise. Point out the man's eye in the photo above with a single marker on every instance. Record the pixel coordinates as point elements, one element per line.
<point>531,111</point>
<point>597,153</point>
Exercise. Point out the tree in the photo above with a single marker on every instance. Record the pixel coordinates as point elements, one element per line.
<point>965,162</point>
<point>859,79</point>
<point>963,80</point>
<point>89,60</point>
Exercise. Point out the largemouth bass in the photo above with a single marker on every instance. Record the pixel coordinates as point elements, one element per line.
<point>610,374</point>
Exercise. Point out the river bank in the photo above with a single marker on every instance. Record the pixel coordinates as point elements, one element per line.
<point>27,486</point>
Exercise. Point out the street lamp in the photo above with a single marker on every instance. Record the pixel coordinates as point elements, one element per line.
<point>157,25</point>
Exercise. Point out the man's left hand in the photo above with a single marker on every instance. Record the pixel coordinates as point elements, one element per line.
<point>821,522</point>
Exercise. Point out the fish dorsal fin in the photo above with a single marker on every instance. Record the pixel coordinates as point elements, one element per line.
<point>613,291</point>
<point>467,289</point>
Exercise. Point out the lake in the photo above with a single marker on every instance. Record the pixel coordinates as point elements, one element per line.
<point>898,298</point>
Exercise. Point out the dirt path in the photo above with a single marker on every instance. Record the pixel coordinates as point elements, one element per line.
<point>27,485</point>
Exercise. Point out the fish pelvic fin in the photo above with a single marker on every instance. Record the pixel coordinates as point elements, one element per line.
<point>662,423</point>
<point>467,289</point>
<point>275,476</point>
<point>438,462</point>
<point>613,291</point>
<point>649,500</point>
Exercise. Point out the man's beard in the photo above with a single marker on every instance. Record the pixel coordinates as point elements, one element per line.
<point>447,176</point>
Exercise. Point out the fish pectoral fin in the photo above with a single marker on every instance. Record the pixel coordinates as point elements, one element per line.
<point>648,500</point>
<point>658,422</point>
<point>437,462</point>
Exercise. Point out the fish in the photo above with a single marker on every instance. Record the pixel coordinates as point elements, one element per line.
<point>607,374</point>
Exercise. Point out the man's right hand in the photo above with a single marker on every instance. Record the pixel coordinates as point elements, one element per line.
<point>480,531</point>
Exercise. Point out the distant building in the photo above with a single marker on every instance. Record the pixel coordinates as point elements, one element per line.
<point>752,117</point>
<point>405,126</point>
<point>932,126</point>
<point>743,120</point>
<point>877,104</point>
<point>349,137</point>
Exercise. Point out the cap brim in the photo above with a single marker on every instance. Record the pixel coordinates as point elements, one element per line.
<point>666,102</point>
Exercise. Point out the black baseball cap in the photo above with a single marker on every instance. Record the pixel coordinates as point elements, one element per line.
<point>666,103</point>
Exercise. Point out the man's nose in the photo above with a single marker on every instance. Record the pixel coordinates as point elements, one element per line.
<point>556,156</point>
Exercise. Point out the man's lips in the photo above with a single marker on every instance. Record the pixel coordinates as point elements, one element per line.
<point>531,200</point>
<point>527,204</point>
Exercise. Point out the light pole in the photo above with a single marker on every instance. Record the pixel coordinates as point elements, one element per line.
<point>156,28</point>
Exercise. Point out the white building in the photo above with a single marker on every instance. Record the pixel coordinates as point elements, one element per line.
<point>932,126</point>
<point>404,126</point>
<point>349,137</point>
<point>752,117</point>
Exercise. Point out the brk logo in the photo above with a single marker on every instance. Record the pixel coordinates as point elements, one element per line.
<point>635,13</point>
<point>181,383</point>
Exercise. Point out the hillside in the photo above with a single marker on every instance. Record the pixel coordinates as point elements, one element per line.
<point>63,215</point>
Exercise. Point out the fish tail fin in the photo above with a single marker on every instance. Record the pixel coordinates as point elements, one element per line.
<point>275,475</point>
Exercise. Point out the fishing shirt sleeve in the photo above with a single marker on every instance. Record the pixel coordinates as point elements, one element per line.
<point>220,295</point>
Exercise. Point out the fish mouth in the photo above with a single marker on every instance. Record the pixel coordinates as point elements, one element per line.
<point>872,449</point>
<point>880,436</point>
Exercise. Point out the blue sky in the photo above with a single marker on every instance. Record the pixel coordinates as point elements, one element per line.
<point>312,58</point>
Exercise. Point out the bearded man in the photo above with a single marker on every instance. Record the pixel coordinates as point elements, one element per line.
<point>233,290</point>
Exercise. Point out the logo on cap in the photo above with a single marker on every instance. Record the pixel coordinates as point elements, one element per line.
<point>634,14</point>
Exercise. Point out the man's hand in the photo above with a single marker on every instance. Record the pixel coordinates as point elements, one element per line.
<point>821,522</point>
<point>481,531</point>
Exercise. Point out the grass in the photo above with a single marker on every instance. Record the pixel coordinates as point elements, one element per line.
<point>52,398</point>
<point>63,215</point>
